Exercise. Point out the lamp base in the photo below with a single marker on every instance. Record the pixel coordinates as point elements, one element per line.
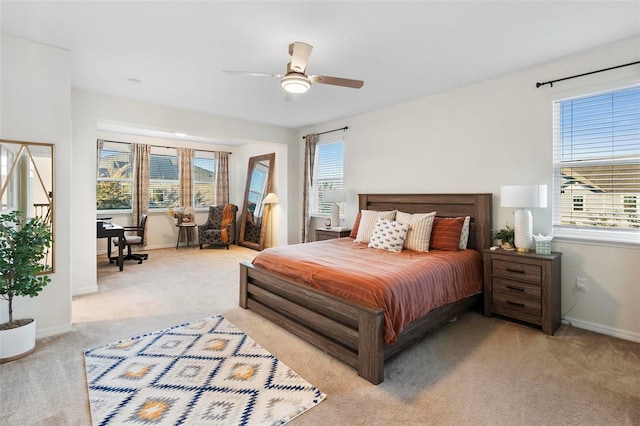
<point>335,215</point>
<point>523,237</point>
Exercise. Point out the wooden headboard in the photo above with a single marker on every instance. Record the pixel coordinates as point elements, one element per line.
<point>477,206</point>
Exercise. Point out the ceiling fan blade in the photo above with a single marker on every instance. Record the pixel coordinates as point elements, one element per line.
<point>299,52</point>
<point>336,81</point>
<point>252,74</point>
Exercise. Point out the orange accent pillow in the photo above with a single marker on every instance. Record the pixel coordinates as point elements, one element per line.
<point>445,234</point>
<point>356,225</point>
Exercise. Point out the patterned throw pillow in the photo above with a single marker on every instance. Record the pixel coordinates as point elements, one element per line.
<point>388,235</point>
<point>464,234</point>
<point>368,223</point>
<point>419,229</point>
<point>446,233</point>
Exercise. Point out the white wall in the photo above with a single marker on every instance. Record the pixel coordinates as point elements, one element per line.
<point>89,109</point>
<point>36,107</point>
<point>499,132</point>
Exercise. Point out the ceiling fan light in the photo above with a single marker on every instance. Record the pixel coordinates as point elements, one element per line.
<point>295,83</point>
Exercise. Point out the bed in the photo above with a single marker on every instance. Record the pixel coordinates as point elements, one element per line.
<point>350,331</point>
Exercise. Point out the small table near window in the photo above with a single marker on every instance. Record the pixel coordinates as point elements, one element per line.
<point>186,231</point>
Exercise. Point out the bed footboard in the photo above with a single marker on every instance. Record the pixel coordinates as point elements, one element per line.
<point>352,333</point>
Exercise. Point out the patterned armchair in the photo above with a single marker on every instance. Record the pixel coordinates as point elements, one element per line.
<point>211,233</point>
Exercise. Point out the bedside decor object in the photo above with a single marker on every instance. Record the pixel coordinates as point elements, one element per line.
<point>523,197</point>
<point>543,243</point>
<point>506,237</point>
<point>335,196</point>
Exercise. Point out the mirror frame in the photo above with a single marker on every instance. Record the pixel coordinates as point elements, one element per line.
<point>265,215</point>
<point>23,149</point>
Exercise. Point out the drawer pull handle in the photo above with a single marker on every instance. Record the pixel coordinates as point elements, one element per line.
<point>517,271</point>
<point>515,303</point>
<point>510,287</point>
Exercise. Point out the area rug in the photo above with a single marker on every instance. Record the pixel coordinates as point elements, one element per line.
<point>206,372</point>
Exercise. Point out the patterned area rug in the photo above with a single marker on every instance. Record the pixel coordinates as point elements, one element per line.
<point>202,373</point>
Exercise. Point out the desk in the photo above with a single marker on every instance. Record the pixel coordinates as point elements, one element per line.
<point>186,229</point>
<point>110,230</point>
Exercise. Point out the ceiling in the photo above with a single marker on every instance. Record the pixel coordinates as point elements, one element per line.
<point>174,52</point>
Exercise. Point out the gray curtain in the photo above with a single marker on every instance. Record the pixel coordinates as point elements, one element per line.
<point>222,177</point>
<point>141,154</point>
<point>185,168</point>
<point>311,141</point>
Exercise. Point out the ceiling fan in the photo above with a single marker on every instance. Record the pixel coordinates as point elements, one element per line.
<point>295,80</point>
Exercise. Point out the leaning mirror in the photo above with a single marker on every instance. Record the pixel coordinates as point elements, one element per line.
<point>253,221</point>
<point>26,182</point>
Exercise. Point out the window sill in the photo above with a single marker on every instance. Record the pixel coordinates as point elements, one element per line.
<point>630,240</point>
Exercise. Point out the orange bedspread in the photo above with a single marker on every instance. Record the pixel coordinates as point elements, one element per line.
<point>407,285</point>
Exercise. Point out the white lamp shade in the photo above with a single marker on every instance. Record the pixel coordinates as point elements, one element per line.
<point>523,196</point>
<point>335,195</point>
<point>271,198</point>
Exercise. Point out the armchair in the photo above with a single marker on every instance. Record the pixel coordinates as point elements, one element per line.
<point>220,228</point>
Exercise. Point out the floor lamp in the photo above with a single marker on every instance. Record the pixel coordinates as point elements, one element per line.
<point>335,196</point>
<point>523,197</point>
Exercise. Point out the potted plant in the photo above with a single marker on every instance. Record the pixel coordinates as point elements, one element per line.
<point>22,247</point>
<point>506,236</point>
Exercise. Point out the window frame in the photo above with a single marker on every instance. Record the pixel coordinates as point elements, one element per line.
<point>316,193</point>
<point>173,154</point>
<point>599,235</point>
<point>113,146</point>
<point>209,156</point>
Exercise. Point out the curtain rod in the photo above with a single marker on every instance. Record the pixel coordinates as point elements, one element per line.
<point>170,147</point>
<point>329,131</point>
<point>550,82</point>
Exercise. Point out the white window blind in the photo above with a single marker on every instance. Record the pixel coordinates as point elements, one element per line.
<point>204,180</point>
<point>114,183</point>
<point>597,166</point>
<point>164,181</point>
<point>328,173</point>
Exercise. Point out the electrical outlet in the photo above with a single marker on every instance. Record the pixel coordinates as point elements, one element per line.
<point>581,284</point>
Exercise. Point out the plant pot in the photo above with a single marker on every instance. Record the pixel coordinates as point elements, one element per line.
<point>506,246</point>
<point>17,342</point>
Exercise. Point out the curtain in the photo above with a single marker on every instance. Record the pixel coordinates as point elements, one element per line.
<point>99,146</point>
<point>222,177</point>
<point>141,154</point>
<point>185,168</point>
<point>311,141</point>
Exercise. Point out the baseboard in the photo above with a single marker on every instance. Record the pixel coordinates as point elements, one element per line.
<point>85,290</point>
<point>603,329</point>
<point>52,331</point>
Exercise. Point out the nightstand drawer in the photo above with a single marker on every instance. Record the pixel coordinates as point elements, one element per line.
<point>517,289</point>
<point>522,303</point>
<point>517,271</point>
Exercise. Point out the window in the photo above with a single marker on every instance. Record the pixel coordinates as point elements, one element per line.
<point>114,181</point>
<point>204,181</point>
<point>327,174</point>
<point>164,181</point>
<point>597,166</point>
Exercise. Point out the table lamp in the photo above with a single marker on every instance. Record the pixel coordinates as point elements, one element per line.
<point>270,199</point>
<point>523,197</point>
<point>335,196</point>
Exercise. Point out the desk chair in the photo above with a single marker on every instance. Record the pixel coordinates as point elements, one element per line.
<point>133,240</point>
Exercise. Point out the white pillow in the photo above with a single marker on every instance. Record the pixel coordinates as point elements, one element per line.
<point>388,235</point>
<point>368,223</point>
<point>419,234</point>
<point>464,234</point>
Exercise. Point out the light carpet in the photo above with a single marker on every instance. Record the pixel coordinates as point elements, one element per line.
<point>206,372</point>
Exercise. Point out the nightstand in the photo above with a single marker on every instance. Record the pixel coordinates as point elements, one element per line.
<point>523,286</point>
<point>328,234</point>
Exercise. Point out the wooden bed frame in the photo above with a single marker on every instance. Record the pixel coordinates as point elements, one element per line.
<point>351,332</point>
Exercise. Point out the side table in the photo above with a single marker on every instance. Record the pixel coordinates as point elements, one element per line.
<point>186,231</point>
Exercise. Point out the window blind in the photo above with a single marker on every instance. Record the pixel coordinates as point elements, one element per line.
<point>597,162</point>
<point>328,173</point>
